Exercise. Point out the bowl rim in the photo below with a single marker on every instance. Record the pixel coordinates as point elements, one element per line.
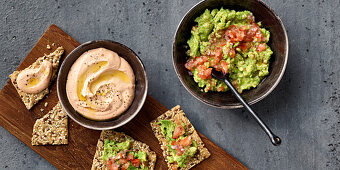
<point>238,105</point>
<point>139,107</point>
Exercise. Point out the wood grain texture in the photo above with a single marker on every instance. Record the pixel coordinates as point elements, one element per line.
<point>78,154</point>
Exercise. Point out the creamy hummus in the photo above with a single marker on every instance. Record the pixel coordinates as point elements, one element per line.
<point>100,84</point>
<point>35,80</point>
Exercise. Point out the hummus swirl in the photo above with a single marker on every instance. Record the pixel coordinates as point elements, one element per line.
<point>35,80</point>
<point>100,84</point>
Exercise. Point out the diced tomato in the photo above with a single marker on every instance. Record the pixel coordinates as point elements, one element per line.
<point>220,88</point>
<point>179,130</point>
<point>185,142</point>
<point>254,32</point>
<point>179,151</point>
<point>261,47</point>
<point>122,161</point>
<point>214,61</point>
<point>173,143</point>
<point>180,144</point>
<point>192,63</point>
<point>205,74</point>
<point>243,46</point>
<point>240,34</point>
<point>175,167</point>
<point>135,162</point>
<point>224,66</point>
<point>243,28</point>
<point>232,53</point>
<point>201,60</point>
<point>231,35</point>
<point>112,165</point>
<point>189,64</point>
<point>130,156</point>
<point>126,166</point>
<point>218,52</point>
<point>258,37</point>
<point>251,32</point>
<point>236,34</point>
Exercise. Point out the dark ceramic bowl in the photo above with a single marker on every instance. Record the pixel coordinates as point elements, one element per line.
<point>140,88</point>
<point>278,43</point>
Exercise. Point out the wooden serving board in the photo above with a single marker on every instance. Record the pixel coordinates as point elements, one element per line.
<point>78,154</point>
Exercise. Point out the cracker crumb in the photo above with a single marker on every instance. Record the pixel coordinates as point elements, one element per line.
<point>45,104</point>
<point>53,44</point>
<point>42,110</point>
<point>48,47</point>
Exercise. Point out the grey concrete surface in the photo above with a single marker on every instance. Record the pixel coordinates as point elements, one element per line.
<point>303,110</point>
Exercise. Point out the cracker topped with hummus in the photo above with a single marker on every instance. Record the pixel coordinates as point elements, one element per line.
<point>32,83</point>
<point>100,84</point>
<point>181,145</point>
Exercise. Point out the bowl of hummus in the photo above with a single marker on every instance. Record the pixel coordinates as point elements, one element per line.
<point>102,84</point>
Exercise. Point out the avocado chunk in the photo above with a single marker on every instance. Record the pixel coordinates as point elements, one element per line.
<point>111,148</point>
<point>168,128</point>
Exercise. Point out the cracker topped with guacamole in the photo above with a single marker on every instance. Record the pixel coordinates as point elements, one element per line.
<point>232,42</point>
<point>181,145</point>
<point>115,151</point>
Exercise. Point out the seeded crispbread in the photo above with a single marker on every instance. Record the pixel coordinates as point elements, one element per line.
<point>52,128</point>
<point>31,99</point>
<point>177,112</point>
<point>98,162</point>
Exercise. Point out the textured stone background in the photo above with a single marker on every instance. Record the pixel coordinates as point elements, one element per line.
<point>303,110</point>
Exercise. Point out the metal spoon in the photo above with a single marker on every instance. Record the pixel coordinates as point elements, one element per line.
<point>273,138</point>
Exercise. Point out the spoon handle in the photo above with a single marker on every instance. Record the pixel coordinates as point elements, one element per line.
<point>273,138</point>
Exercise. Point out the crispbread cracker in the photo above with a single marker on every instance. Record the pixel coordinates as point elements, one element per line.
<point>98,163</point>
<point>52,128</point>
<point>177,112</point>
<point>31,99</point>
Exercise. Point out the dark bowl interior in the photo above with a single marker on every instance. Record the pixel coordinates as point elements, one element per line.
<point>278,43</point>
<point>140,89</point>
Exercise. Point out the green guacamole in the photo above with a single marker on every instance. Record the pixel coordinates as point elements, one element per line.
<point>180,152</point>
<point>119,151</point>
<point>231,42</point>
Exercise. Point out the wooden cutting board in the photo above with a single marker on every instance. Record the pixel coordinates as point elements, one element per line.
<point>78,154</point>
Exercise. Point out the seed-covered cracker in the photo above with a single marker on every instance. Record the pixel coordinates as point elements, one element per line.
<point>174,115</point>
<point>31,99</point>
<point>99,163</point>
<point>52,128</point>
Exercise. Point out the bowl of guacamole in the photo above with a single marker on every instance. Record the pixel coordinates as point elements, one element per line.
<point>245,40</point>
